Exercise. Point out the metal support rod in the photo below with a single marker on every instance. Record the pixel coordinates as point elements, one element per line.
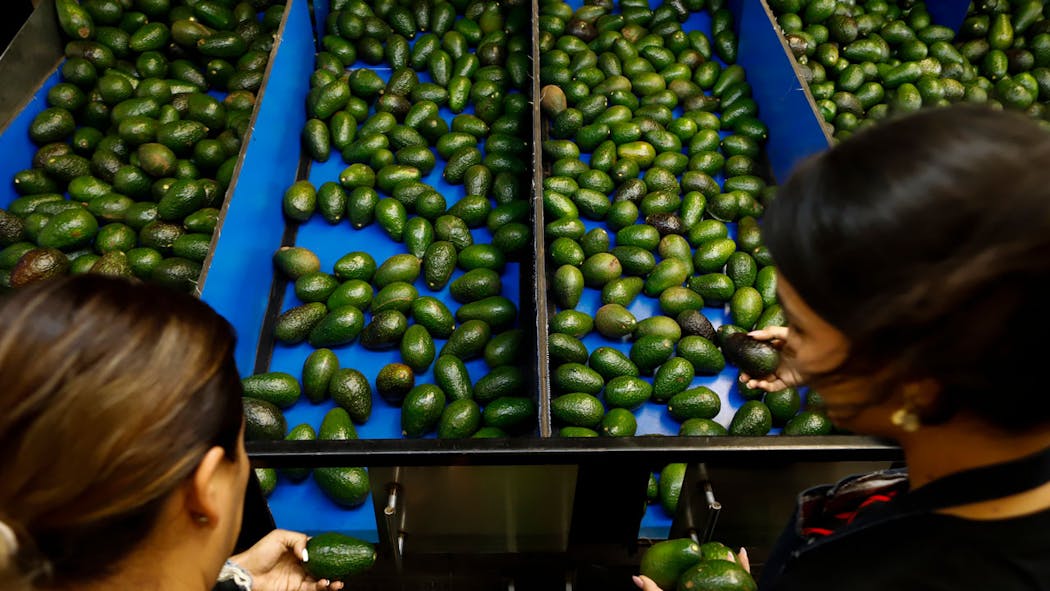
<point>392,512</point>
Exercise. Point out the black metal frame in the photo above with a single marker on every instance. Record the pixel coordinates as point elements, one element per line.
<point>653,451</point>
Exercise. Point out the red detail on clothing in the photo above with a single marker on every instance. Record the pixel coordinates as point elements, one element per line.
<point>847,517</point>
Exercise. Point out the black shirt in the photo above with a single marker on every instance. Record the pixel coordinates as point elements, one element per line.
<point>871,532</point>
<point>928,552</point>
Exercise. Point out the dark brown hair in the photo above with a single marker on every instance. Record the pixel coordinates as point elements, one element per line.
<point>926,241</point>
<point>112,392</point>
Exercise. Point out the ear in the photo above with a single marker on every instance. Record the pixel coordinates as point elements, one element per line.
<point>203,498</point>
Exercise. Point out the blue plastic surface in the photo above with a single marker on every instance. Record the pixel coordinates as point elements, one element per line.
<point>656,523</point>
<point>16,149</point>
<point>795,129</point>
<point>237,284</point>
<point>948,13</point>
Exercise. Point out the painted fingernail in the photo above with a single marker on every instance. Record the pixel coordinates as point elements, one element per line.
<point>306,555</point>
<point>638,582</point>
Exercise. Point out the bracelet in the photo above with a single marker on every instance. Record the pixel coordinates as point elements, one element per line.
<point>240,577</point>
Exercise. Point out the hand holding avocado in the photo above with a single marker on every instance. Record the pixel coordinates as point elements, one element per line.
<point>786,374</point>
<point>276,564</point>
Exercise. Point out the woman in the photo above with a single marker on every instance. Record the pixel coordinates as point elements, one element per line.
<point>914,265</point>
<point>123,444</point>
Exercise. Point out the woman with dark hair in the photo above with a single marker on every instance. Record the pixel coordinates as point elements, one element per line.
<point>914,268</point>
<point>122,435</point>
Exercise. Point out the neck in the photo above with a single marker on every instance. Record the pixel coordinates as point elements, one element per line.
<point>964,443</point>
<point>162,563</point>
<point>149,571</point>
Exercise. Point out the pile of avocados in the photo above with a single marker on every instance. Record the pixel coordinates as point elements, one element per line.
<point>865,61</point>
<point>134,151</point>
<point>655,181</point>
<point>685,565</point>
<point>454,102</point>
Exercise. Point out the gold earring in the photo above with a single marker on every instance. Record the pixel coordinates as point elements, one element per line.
<point>906,419</point>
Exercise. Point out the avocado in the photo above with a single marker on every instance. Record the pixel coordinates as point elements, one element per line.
<point>695,403</point>
<point>674,376</point>
<point>510,413</point>
<point>752,419</point>
<point>394,381</point>
<point>349,388</point>
<point>701,428</point>
<point>619,422</point>
<point>348,487</point>
<point>577,409</point>
<point>278,388</point>
<point>302,432</point>
<point>263,421</point>
<point>665,561</point>
<point>507,380</point>
<point>671,478</point>
<point>754,357</point>
<point>338,327</point>
<point>39,264</point>
<point>460,420</point>
<point>267,478</point>
<point>295,325</point>
<point>385,330</point>
<point>318,370</point>
<point>782,404</point>
<point>716,575</point>
<point>468,340</point>
<point>433,315</point>
<point>703,354</point>
<point>421,410</point>
<point>694,323</point>
<point>614,321</point>
<point>334,556</point>
<point>808,422</point>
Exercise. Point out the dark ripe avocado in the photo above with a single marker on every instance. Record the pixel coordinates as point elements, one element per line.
<point>335,556</point>
<point>263,421</point>
<point>39,264</point>
<point>694,323</point>
<point>754,357</point>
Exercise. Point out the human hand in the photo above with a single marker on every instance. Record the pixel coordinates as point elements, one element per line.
<point>787,375</point>
<point>275,564</point>
<point>646,584</point>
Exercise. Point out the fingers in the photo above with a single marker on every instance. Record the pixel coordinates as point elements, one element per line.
<point>742,558</point>
<point>293,540</point>
<point>645,583</point>
<point>769,333</point>
<point>771,384</point>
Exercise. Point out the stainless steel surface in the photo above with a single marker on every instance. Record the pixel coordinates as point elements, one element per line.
<point>30,58</point>
<point>480,509</point>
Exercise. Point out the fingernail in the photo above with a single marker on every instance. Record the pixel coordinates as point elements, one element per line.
<point>637,581</point>
<point>306,555</point>
<point>743,552</point>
